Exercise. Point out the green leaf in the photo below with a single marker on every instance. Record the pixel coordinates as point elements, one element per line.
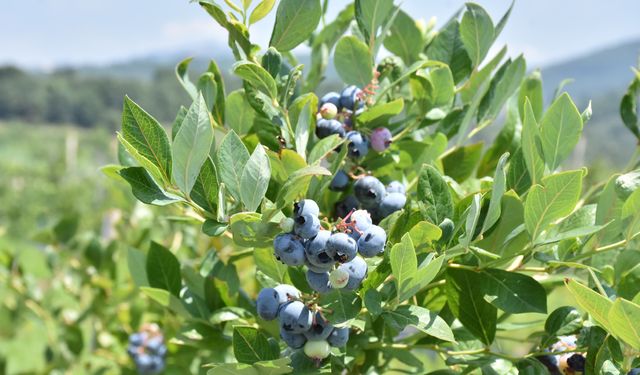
<point>275,367</point>
<point>420,318</point>
<point>473,215</point>
<point>624,317</point>
<point>371,15</point>
<point>344,306</point>
<point>145,188</point>
<point>447,47</point>
<point>476,32</point>
<point>505,87</point>
<point>218,112</point>
<point>563,321</point>
<point>518,177</point>
<point>177,122</point>
<point>295,22</point>
<point>379,114</point>
<point>239,113</point>
<point>205,189</point>
<point>461,163</point>
<point>466,301</point>
<point>231,159</point>
<point>530,138</point>
<point>592,302</point>
<point>163,269</point>
<point>428,270</point>
<point>560,130</point>
<point>404,267</point>
<point>166,299</point>
<point>147,137</point>
<point>512,292</point>
<point>207,87</point>
<point>404,39</point>
<point>136,262</point>
<point>267,264</point>
<point>531,89</point>
<point>272,61</point>
<point>250,231</point>
<point>434,192</point>
<point>627,183</point>
<point>298,183</point>
<point>323,148</point>
<point>213,228</point>
<point>261,10</point>
<point>629,108</point>
<point>353,61</point>
<point>255,179</point>
<point>556,198</point>
<point>424,234</point>
<point>257,77</point>
<point>182,73</point>
<point>302,131</point>
<point>250,345</point>
<point>192,145</point>
<point>373,302</point>
<point>497,191</point>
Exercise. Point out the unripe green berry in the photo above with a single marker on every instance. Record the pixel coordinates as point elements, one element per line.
<point>338,278</point>
<point>328,111</point>
<point>286,224</point>
<point>317,349</point>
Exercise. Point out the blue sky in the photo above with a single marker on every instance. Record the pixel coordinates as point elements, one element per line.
<point>48,33</point>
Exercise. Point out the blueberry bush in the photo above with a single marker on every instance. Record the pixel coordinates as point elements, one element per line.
<point>371,229</point>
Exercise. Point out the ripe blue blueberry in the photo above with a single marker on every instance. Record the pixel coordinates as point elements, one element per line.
<point>325,128</point>
<point>343,207</point>
<point>286,293</point>
<point>576,362</point>
<point>372,242</point>
<point>306,206</point>
<point>361,220</point>
<point>357,144</point>
<point>339,337</point>
<point>396,187</point>
<point>344,247</point>
<point>306,226</point>
<point>317,252</point>
<point>268,303</point>
<point>369,191</point>
<point>320,329</point>
<point>349,97</point>
<point>137,338</point>
<point>289,249</point>
<point>318,281</point>
<point>330,97</point>
<point>295,317</point>
<point>293,340</point>
<point>634,371</point>
<point>380,139</point>
<point>391,203</point>
<point>319,269</point>
<point>340,181</point>
<point>357,269</point>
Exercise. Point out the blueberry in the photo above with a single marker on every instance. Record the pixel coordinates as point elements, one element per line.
<point>358,145</point>
<point>162,351</point>
<point>344,247</point>
<point>576,362</point>
<point>391,203</point>
<point>369,191</point>
<point>372,242</point>
<point>320,329</point>
<point>357,269</point>
<point>330,97</point>
<point>318,281</point>
<point>343,207</point>
<point>136,339</point>
<point>267,303</point>
<point>396,187</point>
<point>154,343</point>
<point>157,365</point>
<point>132,350</point>
<point>339,337</point>
<point>288,249</point>
<point>361,219</point>
<point>293,340</point>
<point>295,317</point>
<point>340,181</point>
<point>634,371</point>
<point>319,269</point>
<point>550,362</point>
<point>317,252</point>
<point>325,128</point>
<point>286,293</point>
<point>306,226</point>
<point>349,97</point>
<point>305,206</point>
<point>328,111</point>
<point>143,362</point>
<point>380,139</point>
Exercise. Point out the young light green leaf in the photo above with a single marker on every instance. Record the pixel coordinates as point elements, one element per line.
<point>298,183</point>
<point>497,191</point>
<point>239,113</point>
<point>192,145</point>
<point>182,73</point>
<point>560,130</point>
<point>434,192</point>
<point>207,86</point>
<point>506,87</point>
<point>295,22</point>
<point>323,148</point>
<point>261,11</point>
<point>556,198</point>
<point>177,122</point>
<point>380,114</point>
<point>302,131</point>
<point>473,215</point>
<point>353,62</point>
<point>404,39</point>
<point>420,318</point>
<point>145,188</point>
<point>624,317</point>
<point>477,32</point>
<point>404,266</point>
<point>530,137</point>
<point>531,89</point>
<point>145,134</point>
<point>512,292</point>
<point>250,345</point>
<point>231,159</point>
<point>163,269</point>
<point>597,305</point>
<point>257,77</point>
<point>255,179</point>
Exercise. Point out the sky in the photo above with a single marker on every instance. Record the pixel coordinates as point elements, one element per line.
<point>44,34</point>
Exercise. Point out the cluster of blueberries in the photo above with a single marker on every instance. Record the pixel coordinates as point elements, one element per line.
<point>335,116</point>
<point>330,256</point>
<point>370,194</point>
<point>300,327</point>
<point>565,364</point>
<point>147,349</point>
